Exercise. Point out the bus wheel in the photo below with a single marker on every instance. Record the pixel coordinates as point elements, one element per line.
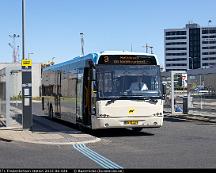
<point>137,129</point>
<point>51,112</point>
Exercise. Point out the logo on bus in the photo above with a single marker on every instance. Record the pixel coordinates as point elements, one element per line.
<point>131,111</point>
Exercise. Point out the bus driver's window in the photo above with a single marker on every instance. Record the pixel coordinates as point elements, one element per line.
<point>138,85</point>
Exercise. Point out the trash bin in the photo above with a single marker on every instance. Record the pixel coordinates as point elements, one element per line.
<point>185,105</point>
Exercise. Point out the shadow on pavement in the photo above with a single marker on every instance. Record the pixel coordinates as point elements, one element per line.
<point>118,133</point>
<point>173,119</point>
<point>44,124</point>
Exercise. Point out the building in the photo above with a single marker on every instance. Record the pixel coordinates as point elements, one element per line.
<point>191,47</point>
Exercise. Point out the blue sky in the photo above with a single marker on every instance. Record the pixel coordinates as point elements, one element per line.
<point>53,26</point>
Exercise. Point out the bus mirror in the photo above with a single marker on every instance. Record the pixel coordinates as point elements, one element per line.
<point>93,75</point>
<point>164,90</point>
<point>94,87</point>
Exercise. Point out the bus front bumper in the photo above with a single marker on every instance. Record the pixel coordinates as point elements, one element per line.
<point>144,122</point>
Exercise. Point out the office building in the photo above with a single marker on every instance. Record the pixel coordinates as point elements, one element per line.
<point>191,47</point>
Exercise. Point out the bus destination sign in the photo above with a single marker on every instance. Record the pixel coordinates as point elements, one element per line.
<point>127,60</point>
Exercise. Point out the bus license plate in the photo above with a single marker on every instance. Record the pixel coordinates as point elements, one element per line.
<point>131,122</point>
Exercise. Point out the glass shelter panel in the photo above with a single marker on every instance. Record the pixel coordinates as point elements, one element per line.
<point>202,92</point>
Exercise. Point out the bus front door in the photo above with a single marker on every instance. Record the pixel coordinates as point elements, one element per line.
<point>58,95</point>
<point>87,97</point>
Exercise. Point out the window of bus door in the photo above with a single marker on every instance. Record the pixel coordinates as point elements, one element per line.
<point>128,81</point>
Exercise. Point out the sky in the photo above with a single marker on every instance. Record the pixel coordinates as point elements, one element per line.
<point>53,27</point>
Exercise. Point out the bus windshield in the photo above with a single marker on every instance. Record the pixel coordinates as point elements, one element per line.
<point>128,81</point>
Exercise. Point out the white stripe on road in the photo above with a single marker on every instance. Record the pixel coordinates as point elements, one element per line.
<point>99,159</point>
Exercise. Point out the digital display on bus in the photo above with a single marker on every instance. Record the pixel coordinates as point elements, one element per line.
<point>127,60</point>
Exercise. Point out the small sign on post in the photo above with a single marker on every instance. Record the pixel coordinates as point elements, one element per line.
<point>26,63</point>
<point>27,93</point>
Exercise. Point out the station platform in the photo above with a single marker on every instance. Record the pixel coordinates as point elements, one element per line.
<point>45,131</point>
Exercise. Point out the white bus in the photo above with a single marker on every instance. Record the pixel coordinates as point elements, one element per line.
<point>105,90</point>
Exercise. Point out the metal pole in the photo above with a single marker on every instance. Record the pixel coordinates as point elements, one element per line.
<point>23,29</point>
<point>146,48</point>
<point>27,120</point>
<point>201,103</point>
<point>172,93</point>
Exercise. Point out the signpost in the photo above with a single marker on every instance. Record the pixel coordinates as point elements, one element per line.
<point>27,93</point>
<point>26,80</point>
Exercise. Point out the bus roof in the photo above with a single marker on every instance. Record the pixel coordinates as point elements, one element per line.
<point>95,57</point>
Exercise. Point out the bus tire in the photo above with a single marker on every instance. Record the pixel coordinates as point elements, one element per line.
<point>137,129</point>
<point>51,112</point>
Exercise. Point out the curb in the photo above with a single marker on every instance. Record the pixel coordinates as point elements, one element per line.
<point>56,143</point>
<point>194,117</point>
<point>8,139</point>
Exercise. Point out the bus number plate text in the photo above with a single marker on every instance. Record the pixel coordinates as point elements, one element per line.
<point>131,122</point>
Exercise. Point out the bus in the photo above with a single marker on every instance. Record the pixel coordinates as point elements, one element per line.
<point>97,91</point>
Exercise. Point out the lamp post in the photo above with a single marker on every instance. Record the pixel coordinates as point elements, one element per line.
<point>14,47</point>
<point>52,62</point>
<point>209,22</point>
<point>82,43</point>
<point>27,120</point>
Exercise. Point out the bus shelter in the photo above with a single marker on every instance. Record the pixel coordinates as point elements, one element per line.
<point>176,91</point>
<point>9,96</point>
<point>202,91</point>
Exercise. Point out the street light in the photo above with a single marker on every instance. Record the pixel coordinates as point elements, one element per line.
<point>82,43</point>
<point>27,119</point>
<point>14,47</point>
<point>209,22</point>
<point>147,46</point>
<point>52,62</point>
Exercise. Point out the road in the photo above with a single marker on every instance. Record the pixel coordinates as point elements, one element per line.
<point>178,144</point>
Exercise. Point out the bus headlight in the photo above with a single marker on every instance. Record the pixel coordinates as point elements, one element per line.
<point>158,114</point>
<point>102,116</point>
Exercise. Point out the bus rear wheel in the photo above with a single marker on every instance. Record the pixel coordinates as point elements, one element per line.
<point>137,129</point>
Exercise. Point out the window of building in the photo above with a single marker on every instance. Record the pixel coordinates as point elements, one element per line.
<point>209,31</point>
<point>175,38</point>
<point>209,58</point>
<point>176,54</point>
<point>176,43</point>
<point>174,65</point>
<point>177,59</point>
<point>208,42</point>
<point>210,47</point>
<point>209,53</point>
<point>176,33</point>
<point>209,36</point>
<point>181,48</point>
